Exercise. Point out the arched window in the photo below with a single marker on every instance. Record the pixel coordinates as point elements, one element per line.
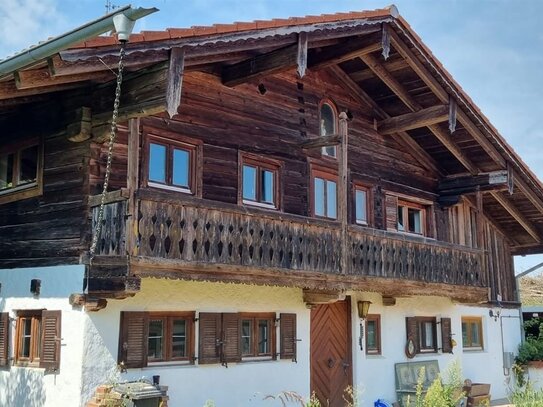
<point>328,125</point>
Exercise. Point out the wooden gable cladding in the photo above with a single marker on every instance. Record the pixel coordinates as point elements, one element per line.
<point>50,341</point>
<point>4,339</point>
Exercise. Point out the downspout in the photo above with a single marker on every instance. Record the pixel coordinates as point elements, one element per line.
<point>54,45</point>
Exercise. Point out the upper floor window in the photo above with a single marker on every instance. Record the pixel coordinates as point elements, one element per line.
<point>20,170</point>
<point>324,185</point>
<point>328,125</point>
<point>172,164</point>
<point>472,333</point>
<point>361,204</point>
<point>259,181</point>
<point>410,217</point>
<point>463,224</point>
<point>405,215</point>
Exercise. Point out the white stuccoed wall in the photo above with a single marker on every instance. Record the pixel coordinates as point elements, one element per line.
<point>242,384</point>
<point>90,341</point>
<point>30,387</point>
<point>374,375</point>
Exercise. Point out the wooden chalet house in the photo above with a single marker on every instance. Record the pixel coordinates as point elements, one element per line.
<point>269,179</point>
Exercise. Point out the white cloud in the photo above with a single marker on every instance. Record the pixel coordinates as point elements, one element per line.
<point>26,22</point>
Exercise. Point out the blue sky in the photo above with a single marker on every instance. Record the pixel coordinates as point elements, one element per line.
<point>493,48</point>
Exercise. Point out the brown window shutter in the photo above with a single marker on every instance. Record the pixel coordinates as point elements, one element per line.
<point>412,328</point>
<point>287,331</point>
<point>4,339</point>
<point>391,210</point>
<point>133,339</point>
<point>231,333</point>
<point>210,337</point>
<point>446,345</point>
<point>50,340</point>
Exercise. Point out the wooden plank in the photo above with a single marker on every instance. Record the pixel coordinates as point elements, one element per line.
<point>343,188</point>
<point>8,89</point>
<point>415,120</point>
<point>528,192</point>
<point>132,184</point>
<point>273,62</point>
<point>515,213</point>
<point>324,141</point>
<point>36,78</point>
<point>174,80</point>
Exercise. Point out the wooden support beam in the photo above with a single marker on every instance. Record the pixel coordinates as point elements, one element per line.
<point>364,99</point>
<point>353,48</point>
<point>8,90</point>
<point>490,181</point>
<point>443,96</point>
<point>412,104</point>
<point>36,78</point>
<point>324,141</point>
<point>415,120</point>
<point>143,94</point>
<point>174,80</point>
<point>343,189</point>
<point>528,192</point>
<point>273,62</point>
<point>80,129</point>
<point>515,213</point>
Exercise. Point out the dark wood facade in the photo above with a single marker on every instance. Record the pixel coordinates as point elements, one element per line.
<point>399,147</point>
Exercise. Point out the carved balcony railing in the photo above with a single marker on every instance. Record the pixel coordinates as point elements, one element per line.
<point>197,231</point>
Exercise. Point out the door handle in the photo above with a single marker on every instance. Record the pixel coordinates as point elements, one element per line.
<point>345,367</point>
<point>331,363</point>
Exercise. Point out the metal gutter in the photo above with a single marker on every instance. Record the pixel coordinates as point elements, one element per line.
<point>54,45</point>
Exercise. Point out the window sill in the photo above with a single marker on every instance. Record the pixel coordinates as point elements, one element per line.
<point>170,188</point>
<point>252,359</point>
<point>21,192</point>
<point>33,365</point>
<point>374,356</point>
<point>259,204</point>
<point>473,350</point>
<point>176,363</point>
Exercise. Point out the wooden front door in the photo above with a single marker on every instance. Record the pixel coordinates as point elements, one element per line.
<point>331,364</point>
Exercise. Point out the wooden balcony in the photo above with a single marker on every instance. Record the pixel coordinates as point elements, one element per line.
<point>193,237</point>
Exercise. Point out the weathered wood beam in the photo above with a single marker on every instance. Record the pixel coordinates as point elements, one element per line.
<point>490,181</point>
<point>415,120</point>
<point>80,129</point>
<point>174,80</point>
<point>528,192</point>
<point>324,141</point>
<point>515,213</point>
<point>333,55</point>
<point>301,55</point>
<point>143,94</point>
<point>364,99</point>
<point>390,66</point>
<point>58,67</point>
<point>443,96</point>
<point>273,62</point>
<point>8,90</point>
<point>412,104</point>
<point>35,78</point>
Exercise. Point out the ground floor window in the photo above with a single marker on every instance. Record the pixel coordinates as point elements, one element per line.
<point>472,333</point>
<point>37,339</point>
<point>373,334</point>
<point>169,336</point>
